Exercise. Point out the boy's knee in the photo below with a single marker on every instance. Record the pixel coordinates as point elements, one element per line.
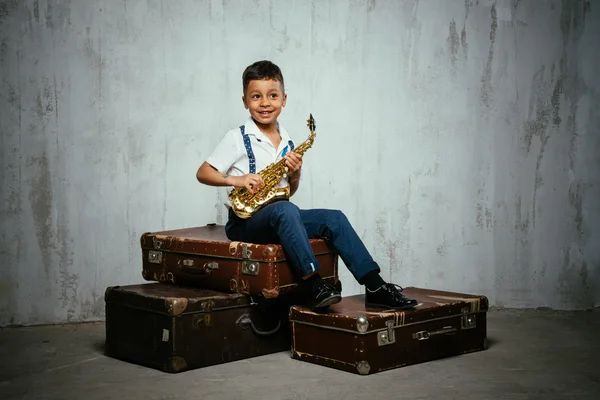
<point>337,216</point>
<point>284,209</point>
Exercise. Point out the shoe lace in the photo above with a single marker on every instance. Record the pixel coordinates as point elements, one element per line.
<point>393,289</point>
<point>389,287</point>
<point>321,287</point>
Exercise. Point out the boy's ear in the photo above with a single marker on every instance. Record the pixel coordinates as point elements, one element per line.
<point>284,100</point>
<point>244,101</point>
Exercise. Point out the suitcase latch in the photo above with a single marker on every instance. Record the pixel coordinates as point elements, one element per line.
<point>249,268</point>
<point>157,244</point>
<point>386,337</point>
<point>246,254</point>
<point>468,321</point>
<point>202,320</point>
<point>154,257</point>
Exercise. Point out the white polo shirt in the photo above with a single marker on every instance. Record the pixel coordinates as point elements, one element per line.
<point>231,156</point>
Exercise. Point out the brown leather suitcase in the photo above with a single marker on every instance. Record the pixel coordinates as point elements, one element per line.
<point>205,257</point>
<point>362,340</point>
<point>175,329</point>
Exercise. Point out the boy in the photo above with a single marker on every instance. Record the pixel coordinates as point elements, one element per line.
<point>244,152</point>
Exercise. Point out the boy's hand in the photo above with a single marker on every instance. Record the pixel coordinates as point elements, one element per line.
<point>252,182</point>
<point>293,162</point>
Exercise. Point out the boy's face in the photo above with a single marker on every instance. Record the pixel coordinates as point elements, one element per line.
<point>264,99</point>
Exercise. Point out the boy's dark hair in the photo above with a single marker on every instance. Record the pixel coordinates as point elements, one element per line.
<point>262,70</point>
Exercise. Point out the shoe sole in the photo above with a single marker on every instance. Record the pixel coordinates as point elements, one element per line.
<point>406,307</point>
<point>328,301</point>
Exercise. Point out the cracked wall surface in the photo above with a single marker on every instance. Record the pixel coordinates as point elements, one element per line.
<point>461,139</point>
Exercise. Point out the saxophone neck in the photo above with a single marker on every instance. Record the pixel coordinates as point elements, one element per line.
<point>307,144</point>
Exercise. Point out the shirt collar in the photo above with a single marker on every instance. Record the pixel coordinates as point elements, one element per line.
<point>252,129</point>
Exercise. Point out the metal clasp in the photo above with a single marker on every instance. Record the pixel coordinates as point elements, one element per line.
<point>157,244</point>
<point>386,337</point>
<point>246,254</point>
<point>202,320</point>
<point>154,257</point>
<point>467,321</point>
<point>248,267</point>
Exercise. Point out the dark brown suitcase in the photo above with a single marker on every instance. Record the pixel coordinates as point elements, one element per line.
<point>362,340</point>
<point>205,257</point>
<point>175,329</point>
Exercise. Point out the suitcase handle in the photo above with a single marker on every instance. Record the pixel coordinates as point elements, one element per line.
<point>207,268</point>
<point>245,320</point>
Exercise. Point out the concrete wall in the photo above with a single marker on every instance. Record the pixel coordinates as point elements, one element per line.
<point>460,138</point>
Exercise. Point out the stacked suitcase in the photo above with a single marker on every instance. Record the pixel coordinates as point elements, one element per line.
<point>210,300</point>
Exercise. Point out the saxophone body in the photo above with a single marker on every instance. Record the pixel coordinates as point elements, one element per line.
<point>246,204</point>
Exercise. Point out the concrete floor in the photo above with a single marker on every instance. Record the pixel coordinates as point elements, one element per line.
<point>532,355</point>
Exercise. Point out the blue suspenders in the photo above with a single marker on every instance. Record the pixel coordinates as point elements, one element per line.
<point>248,147</point>
<point>250,153</point>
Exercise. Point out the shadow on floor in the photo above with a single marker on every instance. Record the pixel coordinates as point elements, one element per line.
<point>491,342</point>
<point>99,346</point>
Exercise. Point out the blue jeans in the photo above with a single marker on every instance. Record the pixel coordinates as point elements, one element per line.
<point>284,223</point>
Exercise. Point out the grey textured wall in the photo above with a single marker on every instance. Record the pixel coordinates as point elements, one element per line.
<point>460,138</point>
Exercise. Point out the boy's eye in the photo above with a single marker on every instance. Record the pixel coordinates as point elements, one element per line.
<point>274,95</point>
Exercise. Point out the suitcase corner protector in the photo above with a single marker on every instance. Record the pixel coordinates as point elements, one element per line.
<point>176,305</point>
<point>270,293</point>
<point>363,367</point>
<point>176,364</point>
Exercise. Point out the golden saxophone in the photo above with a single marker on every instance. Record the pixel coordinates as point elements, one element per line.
<point>245,204</point>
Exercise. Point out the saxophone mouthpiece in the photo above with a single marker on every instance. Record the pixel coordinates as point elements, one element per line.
<point>311,123</point>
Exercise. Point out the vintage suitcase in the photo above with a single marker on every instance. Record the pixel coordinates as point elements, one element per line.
<point>350,337</point>
<point>205,257</point>
<point>175,329</point>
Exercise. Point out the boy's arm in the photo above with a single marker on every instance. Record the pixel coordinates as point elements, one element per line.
<point>208,175</point>
<point>294,163</point>
<point>213,170</point>
<point>294,180</point>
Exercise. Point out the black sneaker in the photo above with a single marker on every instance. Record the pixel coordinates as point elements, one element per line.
<point>322,294</point>
<point>388,296</point>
